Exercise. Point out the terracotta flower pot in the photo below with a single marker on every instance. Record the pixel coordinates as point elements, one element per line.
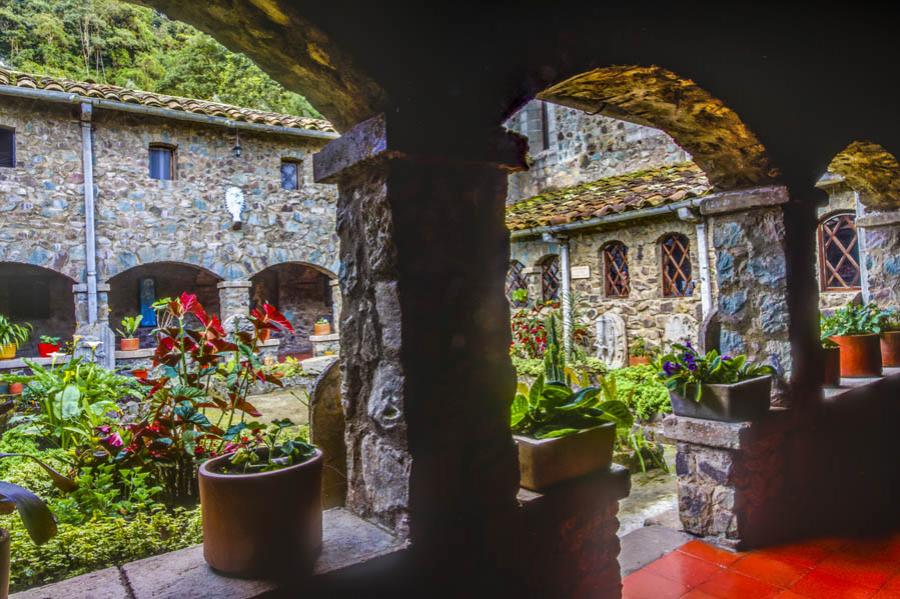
<point>831,373</point>
<point>860,355</point>
<point>546,462</point>
<point>740,402</point>
<point>16,388</point>
<point>890,349</point>
<point>638,360</point>
<point>8,351</point>
<point>4,564</point>
<point>45,349</point>
<point>130,344</point>
<point>266,524</point>
<point>322,329</point>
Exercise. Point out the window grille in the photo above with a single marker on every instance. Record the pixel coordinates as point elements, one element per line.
<point>615,269</point>
<point>515,279</point>
<point>839,253</point>
<point>162,162</point>
<point>676,266</point>
<point>550,278</point>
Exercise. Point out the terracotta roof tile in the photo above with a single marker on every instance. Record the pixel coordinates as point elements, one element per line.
<point>622,193</point>
<point>131,96</point>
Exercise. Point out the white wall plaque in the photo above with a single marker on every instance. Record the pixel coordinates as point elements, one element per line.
<point>581,272</point>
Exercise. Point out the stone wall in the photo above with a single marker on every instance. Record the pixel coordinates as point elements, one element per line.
<point>584,148</point>
<point>645,312</point>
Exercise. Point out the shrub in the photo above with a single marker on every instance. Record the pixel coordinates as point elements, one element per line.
<point>646,395</point>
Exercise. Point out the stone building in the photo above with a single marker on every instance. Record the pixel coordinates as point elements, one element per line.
<point>112,198</point>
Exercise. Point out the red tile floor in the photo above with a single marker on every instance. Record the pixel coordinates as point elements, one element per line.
<point>817,569</point>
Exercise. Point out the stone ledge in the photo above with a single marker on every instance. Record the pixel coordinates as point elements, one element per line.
<point>744,199</point>
<point>322,338</point>
<point>724,435</point>
<point>853,387</point>
<point>20,362</point>
<point>144,352</point>
<point>350,545</point>
<point>614,483</point>
<point>881,219</point>
<point>234,285</point>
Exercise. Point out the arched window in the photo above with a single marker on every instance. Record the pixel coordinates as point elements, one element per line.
<point>839,253</point>
<point>550,276</point>
<point>676,266</point>
<point>515,279</point>
<point>615,269</point>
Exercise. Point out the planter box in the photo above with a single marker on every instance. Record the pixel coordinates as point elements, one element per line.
<point>890,349</point>
<point>740,402</point>
<point>546,462</point>
<point>860,355</point>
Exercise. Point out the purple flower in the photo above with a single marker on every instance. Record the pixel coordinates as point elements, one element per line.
<point>114,440</point>
<point>690,362</point>
<point>671,368</point>
<point>726,357</point>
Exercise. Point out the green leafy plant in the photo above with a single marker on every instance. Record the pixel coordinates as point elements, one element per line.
<point>642,390</point>
<point>12,333</point>
<point>36,516</point>
<point>519,297</point>
<point>686,371</point>
<point>322,320</point>
<point>50,339</point>
<point>130,326</point>
<point>854,319</point>
<point>270,451</point>
<point>640,348</point>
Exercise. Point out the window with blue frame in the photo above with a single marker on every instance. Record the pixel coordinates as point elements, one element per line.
<point>162,162</point>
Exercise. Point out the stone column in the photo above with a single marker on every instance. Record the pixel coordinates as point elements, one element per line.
<point>426,376</point>
<point>748,236</point>
<point>882,256</point>
<point>337,304</point>
<point>234,300</point>
<point>99,331</point>
<point>533,282</point>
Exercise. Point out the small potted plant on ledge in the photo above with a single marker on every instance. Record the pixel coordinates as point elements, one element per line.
<point>261,503</point>
<point>48,345</point>
<point>831,370</point>
<point>639,352</point>
<point>12,336</point>
<point>855,328</point>
<point>322,326</point>
<point>561,433</point>
<point>715,387</point>
<point>130,325</point>
<point>890,339</point>
<point>35,514</point>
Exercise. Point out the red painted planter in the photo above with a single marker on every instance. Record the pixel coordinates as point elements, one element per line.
<point>860,355</point>
<point>45,349</point>
<point>130,344</point>
<point>638,360</point>
<point>890,349</point>
<point>831,373</point>
<point>16,388</point>
<point>140,373</point>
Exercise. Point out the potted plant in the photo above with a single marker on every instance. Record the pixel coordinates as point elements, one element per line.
<point>48,345</point>
<point>12,335</point>
<point>714,387</point>
<point>241,536</point>
<point>35,514</point>
<point>322,326</point>
<point>562,433</point>
<point>639,352</point>
<point>831,371</point>
<point>855,328</point>
<point>890,338</point>
<point>130,325</point>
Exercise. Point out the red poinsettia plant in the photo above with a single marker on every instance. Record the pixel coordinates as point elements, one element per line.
<point>197,405</point>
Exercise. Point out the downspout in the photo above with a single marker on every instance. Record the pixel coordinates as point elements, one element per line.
<point>90,230</point>
<point>861,246</point>
<point>566,295</point>
<point>689,216</point>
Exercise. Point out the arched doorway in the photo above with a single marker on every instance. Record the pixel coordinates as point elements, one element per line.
<point>40,297</point>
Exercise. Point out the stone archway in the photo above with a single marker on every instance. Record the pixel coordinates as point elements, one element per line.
<point>40,297</point>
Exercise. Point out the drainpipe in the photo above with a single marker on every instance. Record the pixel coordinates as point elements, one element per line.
<point>689,216</point>
<point>90,231</point>
<point>861,246</point>
<point>565,294</point>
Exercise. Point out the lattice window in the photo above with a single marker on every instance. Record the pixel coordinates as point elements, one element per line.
<point>676,266</point>
<point>515,279</point>
<point>615,269</point>
<point>839,253</point>
<point>550,278</point>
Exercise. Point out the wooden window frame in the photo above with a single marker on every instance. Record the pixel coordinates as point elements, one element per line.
<point>828,272</point>
<point>298,162</point>
<point>669,284</point>
<point>12,149</point>
<point>557,277</point>
<point>173,160</point>
<point>515,279</point>
<point>616,281</point>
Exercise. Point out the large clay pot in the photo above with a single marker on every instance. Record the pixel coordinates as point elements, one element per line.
<point>740,402</point>
<point>831,373</point>
<point>8,351</point>
<point>890,349</point>
<point>130,344</point>
<point>638,360</point>
<point>45,349</point>
<point>267,524</point>
<point>860,355</point>
<point>322,329</point>
<point>4,564</point>
<point>546,462</point>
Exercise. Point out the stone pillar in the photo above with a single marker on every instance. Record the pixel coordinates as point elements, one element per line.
<point>99,331</point>
<point>234,300</point>
<point>426,375</point>
<point>337,304</point>
<point>748,235</point>
<point>882,256</point>
<point>533,282</point>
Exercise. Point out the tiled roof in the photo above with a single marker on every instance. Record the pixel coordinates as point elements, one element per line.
<point>622,193</point>
<point>131,96</point>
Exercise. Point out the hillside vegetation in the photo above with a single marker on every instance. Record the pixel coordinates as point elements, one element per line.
<point>110,41</point>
